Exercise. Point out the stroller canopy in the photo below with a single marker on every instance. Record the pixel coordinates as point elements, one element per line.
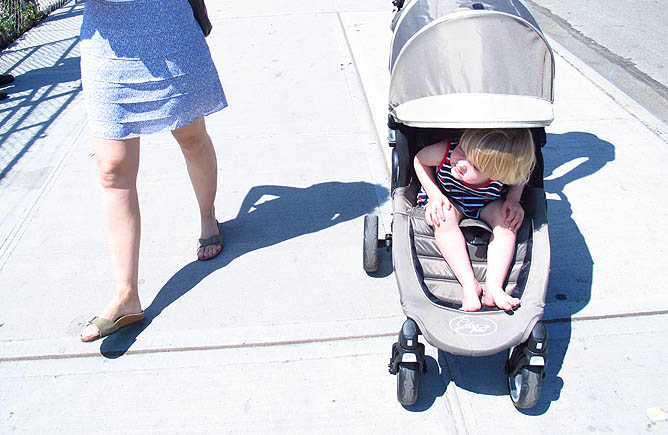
<point>470,64</point>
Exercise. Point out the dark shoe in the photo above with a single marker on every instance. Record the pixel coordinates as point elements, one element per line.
<point>3,95</point>
<point>216,240</point>
<point>6,79</point>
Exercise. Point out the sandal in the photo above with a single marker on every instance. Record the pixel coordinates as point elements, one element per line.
<point>106,327</point>
<point>216,240</point>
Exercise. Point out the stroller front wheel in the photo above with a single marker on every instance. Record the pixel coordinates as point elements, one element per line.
<point>408,378</point>
<point>525,387</point>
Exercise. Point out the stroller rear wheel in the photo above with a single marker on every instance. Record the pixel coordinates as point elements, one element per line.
<point>370,254</point>
<point>525,386</point>
<point>408,379</point>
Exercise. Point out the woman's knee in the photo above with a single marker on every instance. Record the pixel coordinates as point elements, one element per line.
<point>115,174</point>
<point>117,162</point>
<point>193,138</point>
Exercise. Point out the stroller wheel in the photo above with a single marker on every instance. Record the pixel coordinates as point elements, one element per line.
<point>370,254</point>
<point>408,378</point>
<point>525,386</point>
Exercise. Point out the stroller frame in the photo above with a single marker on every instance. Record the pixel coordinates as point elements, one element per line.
<point>427,287</point>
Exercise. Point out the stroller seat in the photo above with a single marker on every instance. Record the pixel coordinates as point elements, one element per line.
<point>440,283</point>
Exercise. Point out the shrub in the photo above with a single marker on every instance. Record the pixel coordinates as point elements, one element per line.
<point>17,16</point>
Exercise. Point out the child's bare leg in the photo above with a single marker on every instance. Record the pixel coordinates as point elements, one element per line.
<point>500,252</point>
<point>452,245</point>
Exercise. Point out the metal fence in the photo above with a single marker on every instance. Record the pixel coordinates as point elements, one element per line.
<point>17,16</point>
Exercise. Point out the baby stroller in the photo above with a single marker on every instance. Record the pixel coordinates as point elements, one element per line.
<point>459,64</point>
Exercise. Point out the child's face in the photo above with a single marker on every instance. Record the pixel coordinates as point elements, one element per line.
<point>465,171</point>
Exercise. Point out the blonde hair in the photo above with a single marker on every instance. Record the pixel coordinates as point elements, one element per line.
<point>505,155</point>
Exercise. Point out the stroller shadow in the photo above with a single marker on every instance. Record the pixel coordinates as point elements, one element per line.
<point>268,215</point>
<point>568,157</point>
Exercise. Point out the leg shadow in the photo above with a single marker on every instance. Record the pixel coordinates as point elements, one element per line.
<point>268,215</point>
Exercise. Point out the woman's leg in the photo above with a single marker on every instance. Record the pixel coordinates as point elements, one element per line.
<point>118,163</point>
<point>452,245</point>
<point>202,166</point>
<point>500,252</point>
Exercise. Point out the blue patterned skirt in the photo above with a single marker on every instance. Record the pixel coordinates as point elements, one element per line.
<point>145,68</point>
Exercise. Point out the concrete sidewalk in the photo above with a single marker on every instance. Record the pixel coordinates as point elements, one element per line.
<point>284,332</point>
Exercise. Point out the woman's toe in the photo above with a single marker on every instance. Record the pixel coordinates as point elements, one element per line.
<point>208,251</point>
<point>89,331</point>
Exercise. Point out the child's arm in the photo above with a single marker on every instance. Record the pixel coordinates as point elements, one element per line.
<point>512,209</point>
<point>425,161</point>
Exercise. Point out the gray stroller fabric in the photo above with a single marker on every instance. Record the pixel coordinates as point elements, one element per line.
<point>416,14</point>
<point>470,64</point>
<point>437,275</point>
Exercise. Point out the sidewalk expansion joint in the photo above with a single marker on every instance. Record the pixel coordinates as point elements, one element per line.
<point>605,316</point>
<point>117,353</point>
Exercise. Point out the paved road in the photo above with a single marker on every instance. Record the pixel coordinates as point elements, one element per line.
<point>624,41</point>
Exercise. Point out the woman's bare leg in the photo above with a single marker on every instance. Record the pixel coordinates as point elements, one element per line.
<point>202,166</point>
<point>118,163</point>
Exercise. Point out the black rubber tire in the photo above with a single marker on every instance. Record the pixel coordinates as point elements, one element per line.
<point>370,251</point>
<point>525,387</point>
<point>408,380</point>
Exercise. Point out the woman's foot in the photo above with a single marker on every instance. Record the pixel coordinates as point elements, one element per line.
<point>471,297</point>
<point>211,240</point>
<point>114,310</point>
<point>496,297</point>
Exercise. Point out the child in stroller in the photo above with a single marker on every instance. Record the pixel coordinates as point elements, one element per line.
<point>481,177</point>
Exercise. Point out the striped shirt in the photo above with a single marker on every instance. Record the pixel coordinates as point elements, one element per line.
<point>469,199</point>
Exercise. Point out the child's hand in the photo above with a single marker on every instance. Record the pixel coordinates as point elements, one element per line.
<point>513,214</point>
<point>436,210</point>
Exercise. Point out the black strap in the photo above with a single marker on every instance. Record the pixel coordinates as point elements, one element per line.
<point>199,11</point>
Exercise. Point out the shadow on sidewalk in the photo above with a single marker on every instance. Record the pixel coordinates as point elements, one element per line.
<point>47,81</point>
<point>572,266</point>
<point>568,157</point>
<point>268,215</point>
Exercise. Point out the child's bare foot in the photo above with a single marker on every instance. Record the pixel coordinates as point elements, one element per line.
<point>471,297</point>
<point>496,297</point>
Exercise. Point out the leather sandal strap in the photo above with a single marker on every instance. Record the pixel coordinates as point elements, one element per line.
<point>105,326</point>
<point>213,240</point>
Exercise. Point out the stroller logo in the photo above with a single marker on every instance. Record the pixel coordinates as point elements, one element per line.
<point>473,326</point>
